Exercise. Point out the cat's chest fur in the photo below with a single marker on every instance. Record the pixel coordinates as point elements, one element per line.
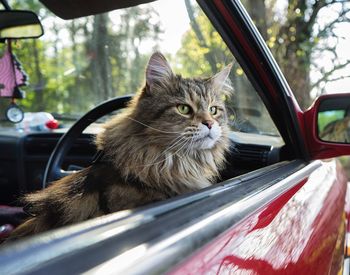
<point>179,173</point>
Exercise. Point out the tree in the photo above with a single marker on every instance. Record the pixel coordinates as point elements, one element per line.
<point>100,65</point>
<point>298,36</point>
<point>79,63</point>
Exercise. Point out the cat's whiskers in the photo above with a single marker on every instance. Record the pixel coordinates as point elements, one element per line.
<point>191,145</point>
<point>182,146</point>
<point>181,143</point>
<point>135,120</point>
<point>171,155</point>
<point>137,135</point>
<point>188,150</point>
<point>165,159</point>
<point>176,142</point>
<point>184,137</point>
<point>190,131</point>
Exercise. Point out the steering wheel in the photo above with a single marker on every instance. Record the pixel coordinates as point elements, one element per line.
<point>53,170</point>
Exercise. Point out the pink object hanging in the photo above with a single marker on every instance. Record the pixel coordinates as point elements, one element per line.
<point>11,73</point>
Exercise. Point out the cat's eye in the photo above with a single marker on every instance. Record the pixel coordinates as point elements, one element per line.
<point>213,110</point>
<point>184,109</point>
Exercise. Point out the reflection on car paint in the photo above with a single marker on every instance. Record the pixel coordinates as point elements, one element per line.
<point>295,234</point>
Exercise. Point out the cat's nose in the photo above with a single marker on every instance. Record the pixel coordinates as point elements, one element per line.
<point>208,123</point>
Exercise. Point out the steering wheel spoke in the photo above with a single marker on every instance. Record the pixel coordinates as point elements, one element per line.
<point>53,170</point>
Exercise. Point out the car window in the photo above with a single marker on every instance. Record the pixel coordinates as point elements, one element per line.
<point>309,40</point>
<point>80,63</point>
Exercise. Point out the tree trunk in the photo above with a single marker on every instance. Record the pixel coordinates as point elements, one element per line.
<point>298,76</point>
<point>76,95</point>
<point>102,76</point>
<point>295,32</point>
<point>195,27</point>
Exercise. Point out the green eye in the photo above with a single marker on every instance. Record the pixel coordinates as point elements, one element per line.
<point>213,110</point>
<point>184,109</point>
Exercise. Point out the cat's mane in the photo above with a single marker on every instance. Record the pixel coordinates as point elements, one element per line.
<point>133,156</point>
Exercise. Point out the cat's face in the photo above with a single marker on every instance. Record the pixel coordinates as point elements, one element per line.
<point>182,114</point>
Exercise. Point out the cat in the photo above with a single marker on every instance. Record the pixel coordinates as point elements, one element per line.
<point>337,131</point>
<point>171,139</point>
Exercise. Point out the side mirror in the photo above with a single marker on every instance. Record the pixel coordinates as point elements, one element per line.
<point>19,24</point>
<point>327,126</point>
<point>333,119</point>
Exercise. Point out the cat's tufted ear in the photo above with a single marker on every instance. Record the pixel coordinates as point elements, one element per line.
<point>158,69</point>
<point>221,82</point>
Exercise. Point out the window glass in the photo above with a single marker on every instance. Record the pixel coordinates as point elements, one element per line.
<point>80,63</point>
<point>309,40</point>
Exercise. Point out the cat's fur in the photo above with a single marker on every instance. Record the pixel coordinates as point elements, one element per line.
<point>151,152</point>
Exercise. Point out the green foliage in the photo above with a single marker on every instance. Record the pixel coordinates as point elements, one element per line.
<point>79,63</point>
<point>191,58</point>
<point>324,118</point>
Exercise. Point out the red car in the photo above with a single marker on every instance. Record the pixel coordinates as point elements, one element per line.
<point>282,207</point>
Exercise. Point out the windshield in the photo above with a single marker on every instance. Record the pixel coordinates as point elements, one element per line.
<point>79,63</point>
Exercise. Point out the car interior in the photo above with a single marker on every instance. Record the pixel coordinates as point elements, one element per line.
<point>267,147</point>
<point>30,159</point>
<point>24,155</point>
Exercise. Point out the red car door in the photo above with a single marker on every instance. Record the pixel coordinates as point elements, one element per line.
<point>301,231</point>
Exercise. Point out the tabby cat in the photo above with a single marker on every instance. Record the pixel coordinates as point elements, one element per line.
<point>170,140</point>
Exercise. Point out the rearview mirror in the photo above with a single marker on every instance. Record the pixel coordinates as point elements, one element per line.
<point>19,24</point>
<point>333,119</point>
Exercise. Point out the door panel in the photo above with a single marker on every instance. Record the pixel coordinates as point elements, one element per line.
<point>300,232</point>
<point>285,218</point>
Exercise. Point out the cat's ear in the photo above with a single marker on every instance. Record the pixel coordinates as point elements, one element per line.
<point>221,82</point>
<point>158,69</point>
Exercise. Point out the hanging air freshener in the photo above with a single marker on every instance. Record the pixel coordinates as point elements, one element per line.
<point>12,77</point>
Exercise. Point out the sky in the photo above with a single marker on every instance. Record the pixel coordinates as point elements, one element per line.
<point>171,11</point>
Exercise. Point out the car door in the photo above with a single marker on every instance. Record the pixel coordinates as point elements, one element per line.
<point>285,218</point>
<point>299,231</point>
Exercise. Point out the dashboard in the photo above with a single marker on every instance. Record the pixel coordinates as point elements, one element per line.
<point>23,159</point>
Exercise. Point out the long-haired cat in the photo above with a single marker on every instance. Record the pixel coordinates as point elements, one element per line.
<point>171,139</point>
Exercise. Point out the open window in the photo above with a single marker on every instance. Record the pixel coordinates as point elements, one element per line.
<point>82,62</point>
